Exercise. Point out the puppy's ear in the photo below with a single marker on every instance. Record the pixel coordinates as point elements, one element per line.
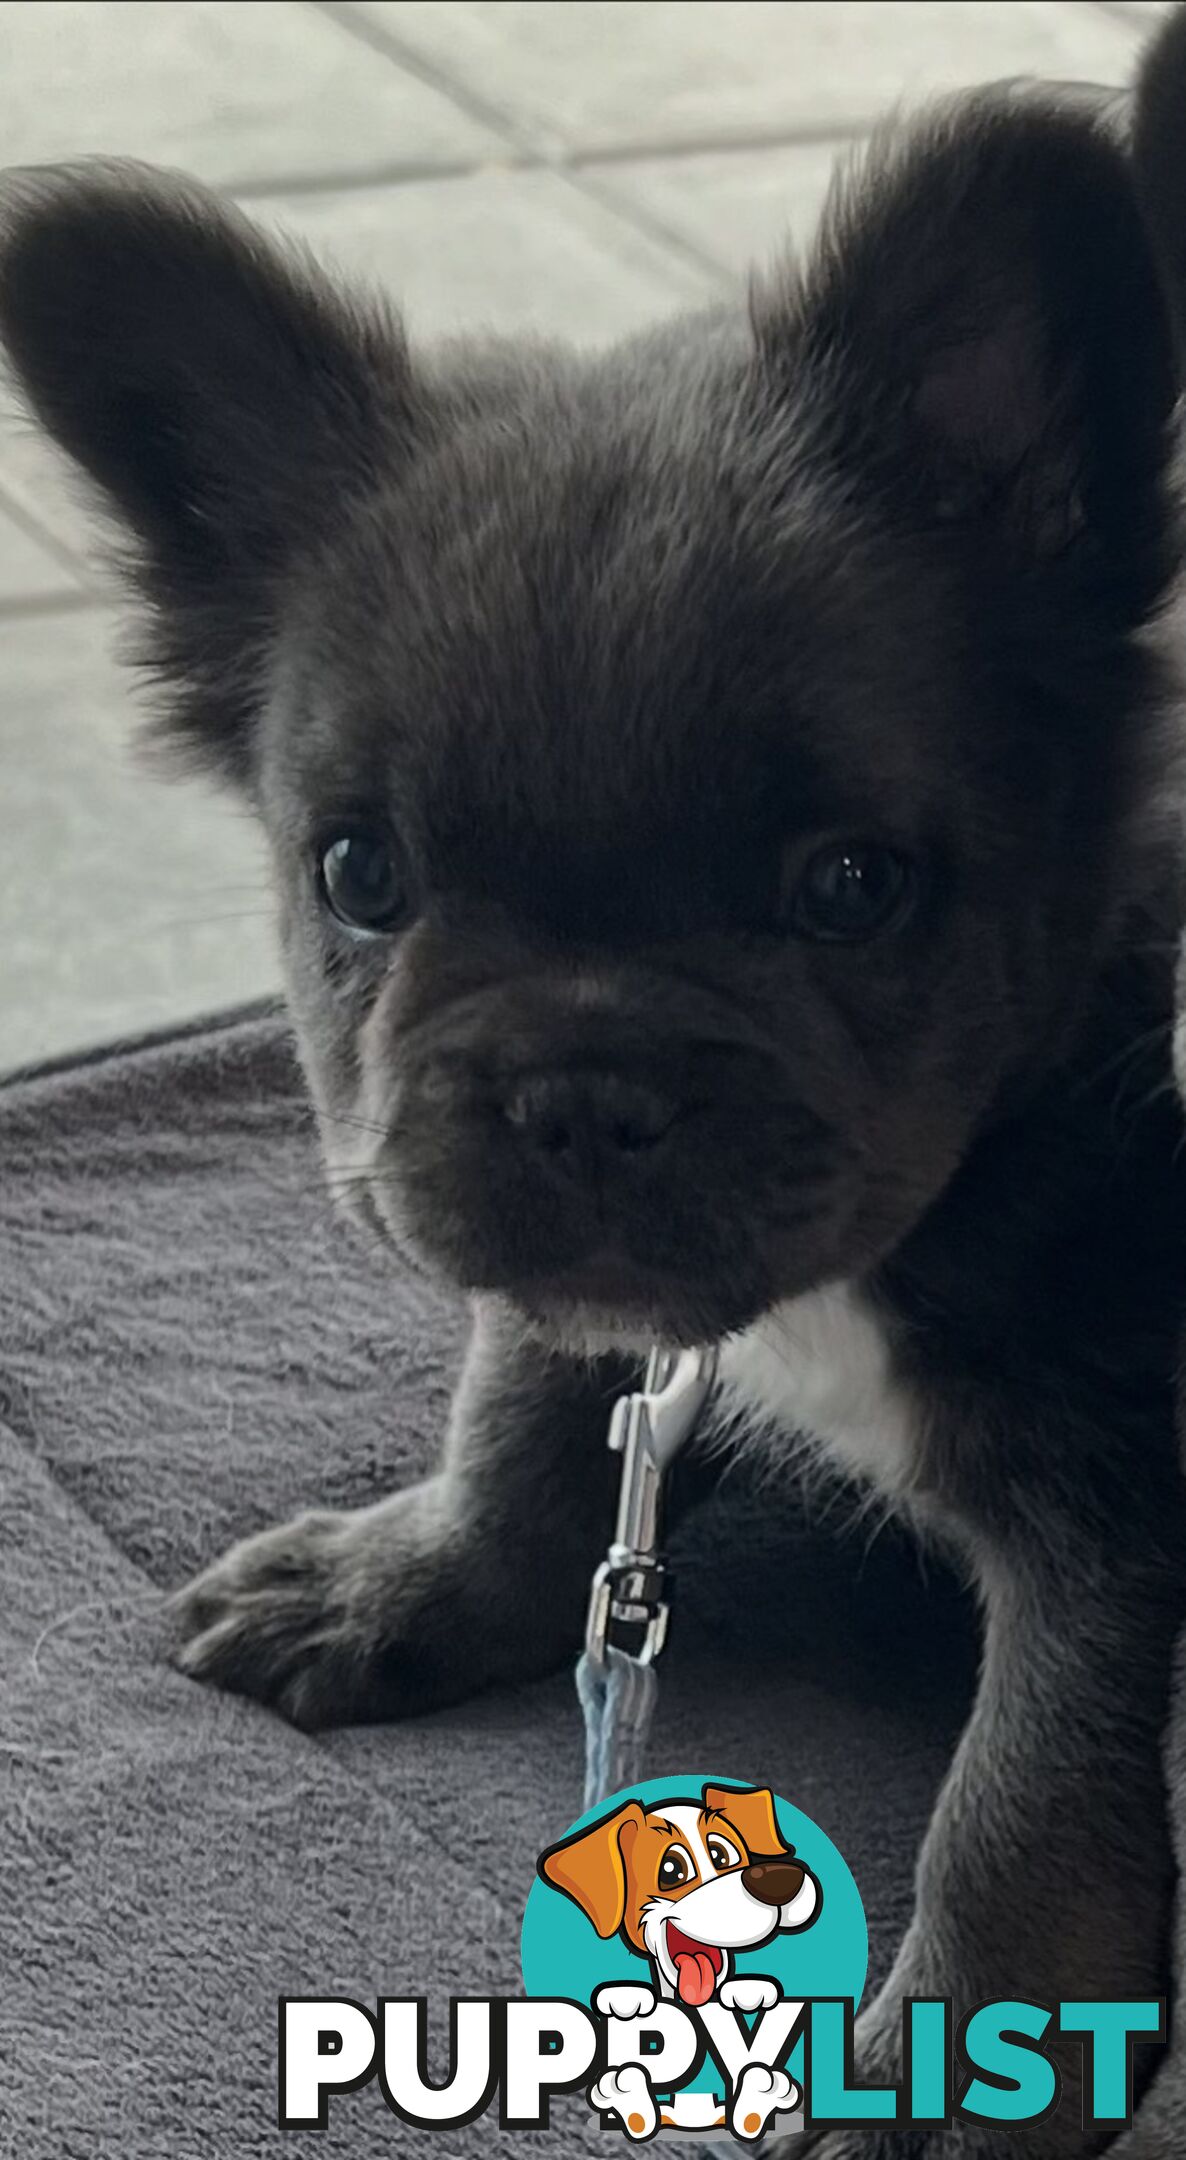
<point>984,341</point>
<point>590,1868</point>
<point>220,395</point>
<point>752,1813</point>
<point>1159,158</point>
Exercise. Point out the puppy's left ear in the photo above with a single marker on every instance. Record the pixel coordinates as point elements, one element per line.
<point>219,393</point>
<point>980,342</point>
<point>752,1813</point>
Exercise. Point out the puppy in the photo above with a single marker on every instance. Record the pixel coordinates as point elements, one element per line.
<point>720,798</point>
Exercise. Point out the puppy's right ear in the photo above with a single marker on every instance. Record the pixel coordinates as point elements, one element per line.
<point>590,1868</point>
<point>985,349</point>
<point>218,392</point>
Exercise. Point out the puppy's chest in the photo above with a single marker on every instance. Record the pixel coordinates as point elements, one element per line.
<point>820,1366</point>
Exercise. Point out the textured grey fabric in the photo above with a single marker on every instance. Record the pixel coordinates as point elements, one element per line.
<point>191,1347</point>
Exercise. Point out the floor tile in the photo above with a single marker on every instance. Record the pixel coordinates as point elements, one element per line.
<point>515,251</point>
<point>233,93</point>
<point>740,206</point>
<point>29,571</point>
<point>41,485</point>
<point>662,71</point>
<point>125,903</point>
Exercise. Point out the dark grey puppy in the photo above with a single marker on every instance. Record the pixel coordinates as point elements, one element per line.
<point>716,794</point>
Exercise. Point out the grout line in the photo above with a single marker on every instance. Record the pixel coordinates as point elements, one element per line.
<point>594,157</point>
<point>401,173</point>
<point>21,606</point>
<point>652,226</point>
<point>534,148</point>
<point>393,47</point>
<point>645,151</point>
<point>535,145</point>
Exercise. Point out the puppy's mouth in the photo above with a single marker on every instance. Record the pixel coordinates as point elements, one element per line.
<point>698,1966</point>
<point>605,1299</point>
<point>614,1302</point>
<point>677,1242</point>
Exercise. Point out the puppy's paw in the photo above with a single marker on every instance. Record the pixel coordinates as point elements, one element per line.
<point>331,1618</point>
<point>761,2093</point>
<point>627,2094</point>
<point>749,1992</point>
<point>624,1999</point>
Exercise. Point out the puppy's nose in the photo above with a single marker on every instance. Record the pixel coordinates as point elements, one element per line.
<point>774,1882</point>
<point>585,1121</point>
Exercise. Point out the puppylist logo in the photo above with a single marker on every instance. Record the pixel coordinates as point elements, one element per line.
<point>694,1954</point>
<point>696,1916</point>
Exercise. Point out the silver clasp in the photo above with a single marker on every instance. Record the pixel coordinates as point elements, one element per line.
<point>647,1430</point>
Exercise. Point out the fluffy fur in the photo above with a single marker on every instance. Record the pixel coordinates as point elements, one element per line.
<point>621,657</point>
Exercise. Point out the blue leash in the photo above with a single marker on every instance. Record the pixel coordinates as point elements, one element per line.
<point>629,1609</point>
<point>618,1696</point>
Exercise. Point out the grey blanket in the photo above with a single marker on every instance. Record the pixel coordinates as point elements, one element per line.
<point>191,1346</point>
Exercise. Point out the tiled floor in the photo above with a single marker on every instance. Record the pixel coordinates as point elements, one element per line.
<point>574,166</point>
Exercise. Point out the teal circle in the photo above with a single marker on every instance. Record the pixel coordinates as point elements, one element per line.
<point>564,1956</point>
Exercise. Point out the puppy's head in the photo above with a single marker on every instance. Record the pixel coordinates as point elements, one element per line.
<point>697,775</point>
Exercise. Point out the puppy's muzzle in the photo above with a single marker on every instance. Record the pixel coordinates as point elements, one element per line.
<point>774,1882</point>
<point>589,1126</point>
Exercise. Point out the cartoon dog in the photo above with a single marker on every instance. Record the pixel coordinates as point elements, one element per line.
<point>687,1886</point>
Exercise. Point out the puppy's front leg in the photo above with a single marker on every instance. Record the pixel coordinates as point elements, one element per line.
<point>1159,2125</point>
<point>1046,1870</point>
<point>478,1575</point>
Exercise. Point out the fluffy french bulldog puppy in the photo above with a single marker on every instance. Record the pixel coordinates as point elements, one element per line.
<point>718,794</point>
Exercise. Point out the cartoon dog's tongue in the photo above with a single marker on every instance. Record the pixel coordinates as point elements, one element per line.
<point>696,1964</point>
<point>694,1976</point>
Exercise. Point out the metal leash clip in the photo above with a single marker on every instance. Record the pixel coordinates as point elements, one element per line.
<point>628,1608</point>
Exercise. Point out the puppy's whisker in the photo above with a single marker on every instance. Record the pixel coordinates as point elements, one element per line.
<point>1129,1054</point>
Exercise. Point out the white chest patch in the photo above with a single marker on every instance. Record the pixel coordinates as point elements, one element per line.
<point>820,1366</point>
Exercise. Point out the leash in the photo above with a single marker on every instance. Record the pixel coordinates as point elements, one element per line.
<point>630,1602</point>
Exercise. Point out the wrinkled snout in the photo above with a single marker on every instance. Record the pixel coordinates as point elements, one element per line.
<point>621,1148</point>
<point>589,1127</point>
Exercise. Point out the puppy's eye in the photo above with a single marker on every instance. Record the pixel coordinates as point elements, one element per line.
<point>675,1868</point>
<point>722,1853</point>
<point>362,883</point>
<point>852,891</point>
